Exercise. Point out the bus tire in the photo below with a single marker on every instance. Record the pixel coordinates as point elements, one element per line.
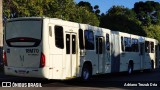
<point>86,72</point>
<point>152,65</point>
<point>130,68</point>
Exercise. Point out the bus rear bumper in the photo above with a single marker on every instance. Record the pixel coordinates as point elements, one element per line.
<point>26,72</point>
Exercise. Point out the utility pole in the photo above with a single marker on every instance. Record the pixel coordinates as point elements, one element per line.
<point>1,31</point>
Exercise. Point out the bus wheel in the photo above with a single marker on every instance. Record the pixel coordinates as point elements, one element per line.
<point>152,65</point>
<point>130,69</point>
<point>86,73</point>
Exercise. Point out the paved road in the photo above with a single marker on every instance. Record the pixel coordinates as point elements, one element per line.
<point>151,80</point>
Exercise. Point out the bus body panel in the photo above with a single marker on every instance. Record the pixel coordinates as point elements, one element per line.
<point>63,62</point>
<point>90,55</point>
<point>22,57</point>
<point>22,41</point>
<point>115,52</point>
<point>150,56</point>
<point>127,54</point>
<point>27,72</point>
<point>57,41</point>
<point>55,55</point>
<point>157,54</point>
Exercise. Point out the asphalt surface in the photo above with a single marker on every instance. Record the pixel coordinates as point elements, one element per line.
<point>116,81</point>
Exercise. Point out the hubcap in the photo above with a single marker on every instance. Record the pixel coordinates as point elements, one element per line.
<point>85,74</point>
<point>130,70</point>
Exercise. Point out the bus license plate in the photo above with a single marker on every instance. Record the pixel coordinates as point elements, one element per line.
<point>21,71</point>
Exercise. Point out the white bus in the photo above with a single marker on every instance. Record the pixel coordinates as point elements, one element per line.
<point>56,49</point>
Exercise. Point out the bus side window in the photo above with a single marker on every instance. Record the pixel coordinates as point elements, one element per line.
<point>135,47</point>
<point>59,42</point>
<point>107,42</point>
<point>73,44</point>
<point>67,44</point>
<point>122,43</point>
<point>136,44</point>
<point>147,47</point>
<point>81,43</point>
<point>127,42</point>
<point>152,47</point>
<point>89,40</point>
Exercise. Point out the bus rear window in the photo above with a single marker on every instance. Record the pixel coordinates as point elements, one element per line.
<point>26,32</point>
<point>23,42</point>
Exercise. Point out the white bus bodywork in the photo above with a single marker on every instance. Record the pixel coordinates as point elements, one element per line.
<point>56,49</point>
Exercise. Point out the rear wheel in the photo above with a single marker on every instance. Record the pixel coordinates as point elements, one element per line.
<point>152,65</point>
<point>86,72</point>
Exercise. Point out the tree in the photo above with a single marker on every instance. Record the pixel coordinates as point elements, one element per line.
<point>96,10</point>
<point>147,12</point>
<point>89,7</point>
<point>122,19</point>
<point>62,9</point>
<point>153,31</point>
<point>19,8</point>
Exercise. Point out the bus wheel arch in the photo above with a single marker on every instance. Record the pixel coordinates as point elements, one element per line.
<point>86,70</point>
<point>130,66</point>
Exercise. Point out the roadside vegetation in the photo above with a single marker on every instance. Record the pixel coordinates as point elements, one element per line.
<point>143,19</point>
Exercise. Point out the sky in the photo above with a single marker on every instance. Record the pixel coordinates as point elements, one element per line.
<point>105,5</point>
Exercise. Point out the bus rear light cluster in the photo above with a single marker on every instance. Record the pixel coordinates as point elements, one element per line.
<point>42,61</point>
<point>5,58</point>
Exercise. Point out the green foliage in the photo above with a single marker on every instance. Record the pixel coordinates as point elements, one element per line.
<point>87,5</point>
<point>143,19</point>
<point>122,19</point>
<point>63,9</point>
<point>147,12</point>
<point>153,31</point>
<point>90,8</point>
<point>19,8</point>
<point>83,16</point>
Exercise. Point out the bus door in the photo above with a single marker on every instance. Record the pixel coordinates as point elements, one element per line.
<point>142,55</point>
<point>107,58</point>
<point>99,52</point>
<point>71,58</point>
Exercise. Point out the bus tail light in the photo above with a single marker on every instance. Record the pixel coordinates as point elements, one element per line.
<point>43,61</point>
<point>5,58</point>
